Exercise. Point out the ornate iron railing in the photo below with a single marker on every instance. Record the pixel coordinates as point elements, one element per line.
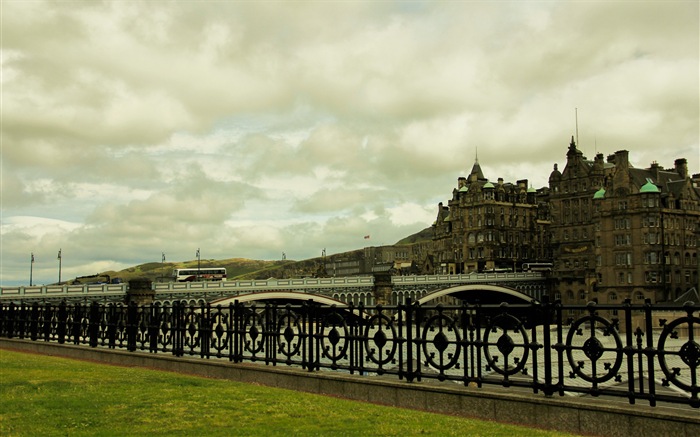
<point>643,351</point>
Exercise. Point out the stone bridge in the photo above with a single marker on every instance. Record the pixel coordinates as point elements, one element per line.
<point>368,290</point>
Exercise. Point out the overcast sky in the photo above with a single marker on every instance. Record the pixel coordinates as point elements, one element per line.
<point>249,129</point>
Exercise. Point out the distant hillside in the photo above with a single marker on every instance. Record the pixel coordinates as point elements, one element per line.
<point>424,235</point>
<point>237,268</point>
<point>159,272</point>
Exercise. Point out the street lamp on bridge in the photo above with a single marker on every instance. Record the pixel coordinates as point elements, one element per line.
<point>198,264</point>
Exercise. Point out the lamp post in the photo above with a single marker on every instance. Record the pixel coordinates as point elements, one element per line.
<point>31,270</point>
<point>198,264</point>
<point>162,261</point>
<point>59,266</point>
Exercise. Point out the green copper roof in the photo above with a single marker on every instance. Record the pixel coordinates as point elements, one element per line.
<point>649,187</point>
<point>600,194</point>
<point>464,189</point>
<point>448,218</point>
<point>531,190</point>
<point>488,185</point>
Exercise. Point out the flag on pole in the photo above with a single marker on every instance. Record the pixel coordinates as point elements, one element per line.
<point>197,253</point>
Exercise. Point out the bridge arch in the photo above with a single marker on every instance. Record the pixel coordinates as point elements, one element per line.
<point>485,293</point>
<point>278,296</point>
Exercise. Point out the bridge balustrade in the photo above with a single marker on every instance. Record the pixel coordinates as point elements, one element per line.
<point>647,352</point>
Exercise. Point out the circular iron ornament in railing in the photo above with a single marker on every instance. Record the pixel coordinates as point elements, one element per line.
<point>594,350</point>
<point>288,325</point>
<point>337,349</point>
<point>440,342</point>
<point>254,325</point>
<point>689,353</point>
<point>380,322</point>
<point>506,345</point>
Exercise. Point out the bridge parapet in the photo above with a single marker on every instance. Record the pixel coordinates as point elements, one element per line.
<point>466,278</point>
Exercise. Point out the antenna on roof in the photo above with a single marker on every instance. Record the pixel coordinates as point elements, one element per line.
<point>576,116</point>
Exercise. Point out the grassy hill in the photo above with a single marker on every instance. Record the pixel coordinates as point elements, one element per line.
<point>237,268</point>
<point>424,235</point>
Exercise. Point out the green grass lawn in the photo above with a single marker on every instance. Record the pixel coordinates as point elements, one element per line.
<point>42,396</point>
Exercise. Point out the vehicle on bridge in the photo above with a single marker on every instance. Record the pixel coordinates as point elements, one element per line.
<point>100,278</point>
<point>202,274</point>
<point>537,267</point>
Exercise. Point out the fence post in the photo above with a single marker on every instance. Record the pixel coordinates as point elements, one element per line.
<point>9,321</point>
<point>132,315</point>
<point>47,322</point>
<point>178,328</point>
<point>547,346</point>
<point>153,328</point>
<point>61,322</point>
<point>34,323</point>
<point>311,334</point>
<point>94,324</point>
<point>204,329</point>
<point>409,341</point>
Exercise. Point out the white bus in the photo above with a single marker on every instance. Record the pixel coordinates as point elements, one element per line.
<point>203,274</point>
<point>537,267</point>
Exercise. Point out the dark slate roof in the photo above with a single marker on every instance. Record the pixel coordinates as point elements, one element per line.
<point>667,181</point>
<point>476,168</point>
<point>690,295</point>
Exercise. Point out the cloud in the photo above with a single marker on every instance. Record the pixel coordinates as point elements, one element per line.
<point>247,129</point>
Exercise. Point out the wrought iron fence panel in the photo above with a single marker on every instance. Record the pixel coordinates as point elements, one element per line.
<point>191,340</point>
<point>621,350</point>
<point>221,331</point>
<point>289,330</point>
<point>381,342</point>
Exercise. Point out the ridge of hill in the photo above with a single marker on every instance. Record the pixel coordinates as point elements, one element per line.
<point>162,272</point>
<point>236,268</point>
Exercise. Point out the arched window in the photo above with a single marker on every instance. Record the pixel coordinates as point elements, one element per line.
<point>612,297</point>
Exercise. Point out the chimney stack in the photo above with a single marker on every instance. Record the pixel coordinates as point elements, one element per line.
<point>682,167</point>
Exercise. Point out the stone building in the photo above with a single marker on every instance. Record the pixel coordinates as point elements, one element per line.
<point>610,230</point>
<point>490,227</point>
<point>619,232</point>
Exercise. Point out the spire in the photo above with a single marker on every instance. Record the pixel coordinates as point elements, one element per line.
<point>573,151</point>
<point>476,169</point>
